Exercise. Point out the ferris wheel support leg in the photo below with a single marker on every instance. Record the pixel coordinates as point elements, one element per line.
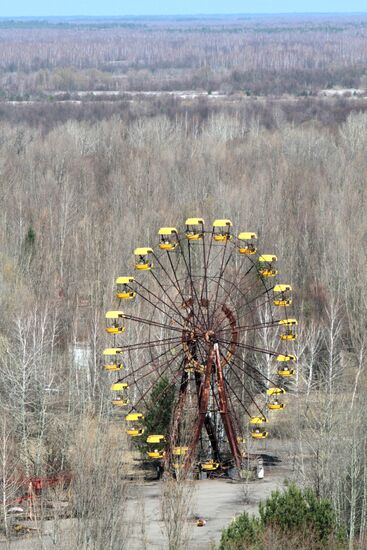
<point>204,393</point>
<point>210,430</point>
<point>223,404</point>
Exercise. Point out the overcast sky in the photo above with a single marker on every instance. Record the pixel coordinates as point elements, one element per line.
<point>170,7</point>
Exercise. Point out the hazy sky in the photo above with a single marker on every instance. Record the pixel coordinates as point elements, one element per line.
<point>157,7</point>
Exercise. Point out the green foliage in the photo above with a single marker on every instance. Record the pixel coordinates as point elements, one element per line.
<point>295,509</point>
<point>28,249</point>
<point>242,532</point>
<point>158,415</point>
<point>30,237</point>
<point>294,515</point>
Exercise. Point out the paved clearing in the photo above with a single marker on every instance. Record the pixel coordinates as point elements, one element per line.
<point>218,501</point>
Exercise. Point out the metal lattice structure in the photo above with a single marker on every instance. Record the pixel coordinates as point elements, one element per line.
<point>210,321</point>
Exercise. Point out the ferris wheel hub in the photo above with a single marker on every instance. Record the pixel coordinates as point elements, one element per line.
<point>209,336</point>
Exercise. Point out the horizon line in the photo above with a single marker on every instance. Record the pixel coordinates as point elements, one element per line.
<point>219,14</point>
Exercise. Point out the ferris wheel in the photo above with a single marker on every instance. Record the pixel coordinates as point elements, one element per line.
<point>201,346</point>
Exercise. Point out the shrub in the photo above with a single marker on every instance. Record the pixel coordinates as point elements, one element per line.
<point>292,519</point>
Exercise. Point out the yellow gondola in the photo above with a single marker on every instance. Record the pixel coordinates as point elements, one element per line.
<point>123,290</point>
<point>156,454</point>
<point>286,372</point>
<point>275,391</point>
<point>222,230</point>
<point>142,262</point>
<point>266,265</point>
<point>286,358</point>
<point>194,229</point>
<point>210,466</point>
<point>248,246</point>
<point>156,439</point>
<point>289,332</point>
<point>113,324</point>
<point>258,419</point>
<point>282,297</point>
<point>169,240</point>
<point>119,386</point>
<point>120,401</point>
<point>259,433</point>
<point>135,432</point>
<point>113,362</point>
<point>276,405</point>
<point>134,417</point>
<point>180,451</point>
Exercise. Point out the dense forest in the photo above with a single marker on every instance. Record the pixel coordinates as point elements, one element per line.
<point>257,56</point>
<point>82,184</point>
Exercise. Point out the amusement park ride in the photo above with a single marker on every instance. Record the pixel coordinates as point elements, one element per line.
<point>203,313</point>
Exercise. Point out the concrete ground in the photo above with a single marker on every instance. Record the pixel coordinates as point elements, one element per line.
<point>218,501</point>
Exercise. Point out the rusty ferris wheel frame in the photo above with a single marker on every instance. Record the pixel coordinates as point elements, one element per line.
<point>210,328</point>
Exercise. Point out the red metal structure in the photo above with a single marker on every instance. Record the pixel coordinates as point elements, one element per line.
<point>201,315</point>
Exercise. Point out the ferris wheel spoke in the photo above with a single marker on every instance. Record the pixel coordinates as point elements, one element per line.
<point>206,260</point>
<point>241,402</point>
<point>152,360</point>
<point>251,310</point>
<point>176,418</point>
<point>189,273</point>
<point>251,348</point>
<point>234,392</point>
<point>243,296</point>
<point>266,291</point>
<point>154,305</point>
<point>236,285</point>
<point>174,283</point>
<point>256,370</point>
<point>248,328</point>
<point>223,268</point>
<point>243,277</point>
<point>247,392</point>
<point>224,412</point>
<point>169,298</point>
<point>233,408</point>
<point>183,298</point>
<point>150,322</point>
<point>202,352</point>
<point>205,282</point>
<point>152,343</point>
<point>221,271</point>
<point>166,366</point>
<point>213,259</point>
<point>160,395</point>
